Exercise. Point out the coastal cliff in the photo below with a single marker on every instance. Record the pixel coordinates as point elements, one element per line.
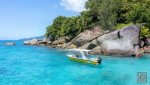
<point>123,42</point>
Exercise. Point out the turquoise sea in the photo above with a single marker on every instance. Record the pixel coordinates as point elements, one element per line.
<point>33,65</point>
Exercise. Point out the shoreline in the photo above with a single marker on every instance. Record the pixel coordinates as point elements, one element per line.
<point>122,42</point>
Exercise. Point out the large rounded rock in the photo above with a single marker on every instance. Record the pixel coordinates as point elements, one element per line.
<point>87,36</point>
<point>49,42</point>
<point>90,45</point>
<point>34,42</point>
<point>61,40</point>
<point>71,46</point>
<point>121,42</point>
<point>45,40</point>
<point>26,42</point>
<point>96,51</point>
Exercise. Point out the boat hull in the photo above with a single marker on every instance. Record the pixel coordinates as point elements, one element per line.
<point>83,61</point>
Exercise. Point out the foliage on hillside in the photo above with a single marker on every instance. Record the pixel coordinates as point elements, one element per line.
<point>145,32</point>
<point>106,13</point>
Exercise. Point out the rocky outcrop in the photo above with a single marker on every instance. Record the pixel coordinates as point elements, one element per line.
<point>87,36</point>
<point>148,41</point>
<point>61,40</point>
<point>26,42</point>
<point>121,42</point>
<point>96,50</point>
<point>10,44</point>
<point>49,43</point>
<point>90,45</point>
<point>42,42</point>
<point>34,42</point>
<point>50,38</point>
<point>70,46</point>
<point>59,43</point>
<point>147,49</point>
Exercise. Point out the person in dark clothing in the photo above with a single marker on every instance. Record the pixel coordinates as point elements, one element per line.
<point>119,36</point>
<point>99,60</point>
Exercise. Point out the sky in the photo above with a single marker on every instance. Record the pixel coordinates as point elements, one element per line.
<point>29,18</point>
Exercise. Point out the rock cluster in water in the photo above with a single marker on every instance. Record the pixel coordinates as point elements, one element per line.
<point>10,44</point>
<point>125,41</point>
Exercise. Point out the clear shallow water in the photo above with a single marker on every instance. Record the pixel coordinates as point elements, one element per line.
<point>31,65</point>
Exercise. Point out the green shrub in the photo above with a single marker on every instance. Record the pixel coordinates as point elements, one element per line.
<point>119,26</point>
<point>145,32</point>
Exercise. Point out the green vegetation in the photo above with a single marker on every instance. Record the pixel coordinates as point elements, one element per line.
<point>121,25</point>
<point>145,32</point>
<point>109,14</point>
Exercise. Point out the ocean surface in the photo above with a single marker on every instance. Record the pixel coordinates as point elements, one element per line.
<point>33,65</point>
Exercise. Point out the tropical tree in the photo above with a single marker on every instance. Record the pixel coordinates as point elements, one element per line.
<point>109,14</point>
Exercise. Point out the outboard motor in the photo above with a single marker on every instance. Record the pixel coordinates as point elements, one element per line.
<point>99,60</point>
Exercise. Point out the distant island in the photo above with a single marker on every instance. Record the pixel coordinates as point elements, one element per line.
<point>39,38</point>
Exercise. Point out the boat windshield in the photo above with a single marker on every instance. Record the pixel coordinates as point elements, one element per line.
<point>80,54</point>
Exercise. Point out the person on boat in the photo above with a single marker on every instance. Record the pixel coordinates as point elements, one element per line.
<point>77,56</point>
<point>98,60</point>
<point>83,55</point>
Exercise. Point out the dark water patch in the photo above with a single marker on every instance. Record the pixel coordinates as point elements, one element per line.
<point>3,71</point>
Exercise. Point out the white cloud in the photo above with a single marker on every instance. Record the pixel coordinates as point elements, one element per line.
<point>73,5</point>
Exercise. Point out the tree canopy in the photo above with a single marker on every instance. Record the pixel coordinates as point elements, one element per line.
<point>108,14</point>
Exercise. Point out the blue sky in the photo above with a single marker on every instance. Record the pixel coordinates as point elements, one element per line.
<point>29,18</point>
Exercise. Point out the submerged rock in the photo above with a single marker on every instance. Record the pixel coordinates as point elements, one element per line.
<point>10,44</point>
<point>121,42</point>
<point>87,36</point>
